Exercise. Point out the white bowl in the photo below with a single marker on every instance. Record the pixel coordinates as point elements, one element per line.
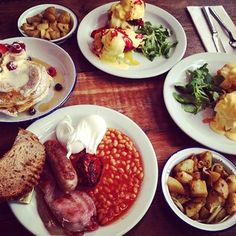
<point>55,56</point>
<point>40,8</point>
<point>174,160</point>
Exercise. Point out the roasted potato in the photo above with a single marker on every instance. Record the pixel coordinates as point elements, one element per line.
<point>193,208</point>
<point>231,203</point>
<point>174,185</point>
<point>64,18</point>
<point>183,177</point>
<point>198,188</point>
<point>186,165</point>
<point>231,181</point>
<point>205,159</point>
<point>214,200</point>
<point>221,187</point>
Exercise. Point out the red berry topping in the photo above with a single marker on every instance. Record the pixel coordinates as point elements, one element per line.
<point>52,71</point>
<point>11,66</point>
<point>128,44</point>
<point>3,48</point>
<point>16,47</point>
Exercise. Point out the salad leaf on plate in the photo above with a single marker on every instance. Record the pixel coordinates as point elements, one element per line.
<point>201,91</point>
<point>155,42</point>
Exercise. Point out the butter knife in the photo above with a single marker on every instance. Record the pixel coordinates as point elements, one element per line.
<point>215,37</point>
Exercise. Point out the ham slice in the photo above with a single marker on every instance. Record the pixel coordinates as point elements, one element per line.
<point>75,211</point>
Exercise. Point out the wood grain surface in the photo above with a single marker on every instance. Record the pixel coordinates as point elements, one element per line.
<point>140,100</point>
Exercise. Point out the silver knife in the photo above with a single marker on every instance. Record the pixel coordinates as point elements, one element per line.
<point>215,37</point>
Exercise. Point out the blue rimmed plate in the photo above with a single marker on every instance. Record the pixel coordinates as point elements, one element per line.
<point>55,56</point>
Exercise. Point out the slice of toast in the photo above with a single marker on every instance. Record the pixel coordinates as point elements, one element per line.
<point>21,166</point>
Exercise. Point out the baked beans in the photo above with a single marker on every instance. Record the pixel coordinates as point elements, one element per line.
<point>121,179</point>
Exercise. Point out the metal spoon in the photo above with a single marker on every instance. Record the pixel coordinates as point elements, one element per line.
<point>232,40</point>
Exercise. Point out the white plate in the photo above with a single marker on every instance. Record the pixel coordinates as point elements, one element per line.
<point>44,128</point>
<point>39,9</point>
<point>192,124</point>
<point>54,56</point>
<point>98,18</point>
<point>173,161</point>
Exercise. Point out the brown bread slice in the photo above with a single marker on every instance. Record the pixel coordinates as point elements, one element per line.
<point>21,166</point>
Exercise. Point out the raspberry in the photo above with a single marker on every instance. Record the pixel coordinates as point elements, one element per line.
<point>52,71</point>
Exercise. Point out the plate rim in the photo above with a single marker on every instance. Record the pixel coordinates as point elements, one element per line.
<point>123,73</point>
<point>154,166</point>
<point>166,88</point>
<point>75,76</point>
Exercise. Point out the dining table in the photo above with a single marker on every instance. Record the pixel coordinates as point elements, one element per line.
<point>139,99</point>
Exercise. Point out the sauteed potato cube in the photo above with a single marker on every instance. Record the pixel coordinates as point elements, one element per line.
<point>231,181</point>
<point>64,18</point>
<point>214,176</point>
<point>186,165</point>
<point>204,213</point>
<point>231,203</point>
<point>221,187</point>
<point>193,208</point>
<point>198,188</point>
<point>205,160</point>
<point>183,177</point>
<point>174,185</point>
<point>214,200</point>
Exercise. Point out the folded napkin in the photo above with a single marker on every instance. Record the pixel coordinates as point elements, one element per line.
<point>204,31</point>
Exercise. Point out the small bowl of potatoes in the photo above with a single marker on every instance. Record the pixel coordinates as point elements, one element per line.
<point>199,185</point>
<point>52,22</point>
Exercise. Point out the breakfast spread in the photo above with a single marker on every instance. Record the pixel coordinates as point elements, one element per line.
<point>126,32</point>
<point>49,24</point>
<point>21,166</point>
<point>93,185</point>
<point>203,188</point>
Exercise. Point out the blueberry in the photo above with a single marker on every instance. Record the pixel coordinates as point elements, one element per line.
<point>58,87</point>
<point>32,111</point>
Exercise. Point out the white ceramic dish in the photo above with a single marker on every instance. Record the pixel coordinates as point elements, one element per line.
<point>44,128</point>
<point>192,124</point>
<point>40,8</point>
<point>174,160</point>
<point>98,18</point>
<point>54,56</point>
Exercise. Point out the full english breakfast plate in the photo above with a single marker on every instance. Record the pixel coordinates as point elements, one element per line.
<point>37,77</point>
<point>123,140</point>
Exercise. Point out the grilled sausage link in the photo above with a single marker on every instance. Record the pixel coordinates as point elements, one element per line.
<point>61,166</point>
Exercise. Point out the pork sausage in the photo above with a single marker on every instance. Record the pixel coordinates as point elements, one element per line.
<point>61,166</point>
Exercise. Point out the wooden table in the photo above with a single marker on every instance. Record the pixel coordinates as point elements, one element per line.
<point>141,100</point>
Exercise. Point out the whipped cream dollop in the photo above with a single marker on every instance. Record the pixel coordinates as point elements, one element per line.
<point>87,135</point>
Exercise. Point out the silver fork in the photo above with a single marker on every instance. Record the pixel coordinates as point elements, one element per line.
<point>232,40</point>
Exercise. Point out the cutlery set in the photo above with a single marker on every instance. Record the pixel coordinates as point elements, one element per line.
<point>208,13</point>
